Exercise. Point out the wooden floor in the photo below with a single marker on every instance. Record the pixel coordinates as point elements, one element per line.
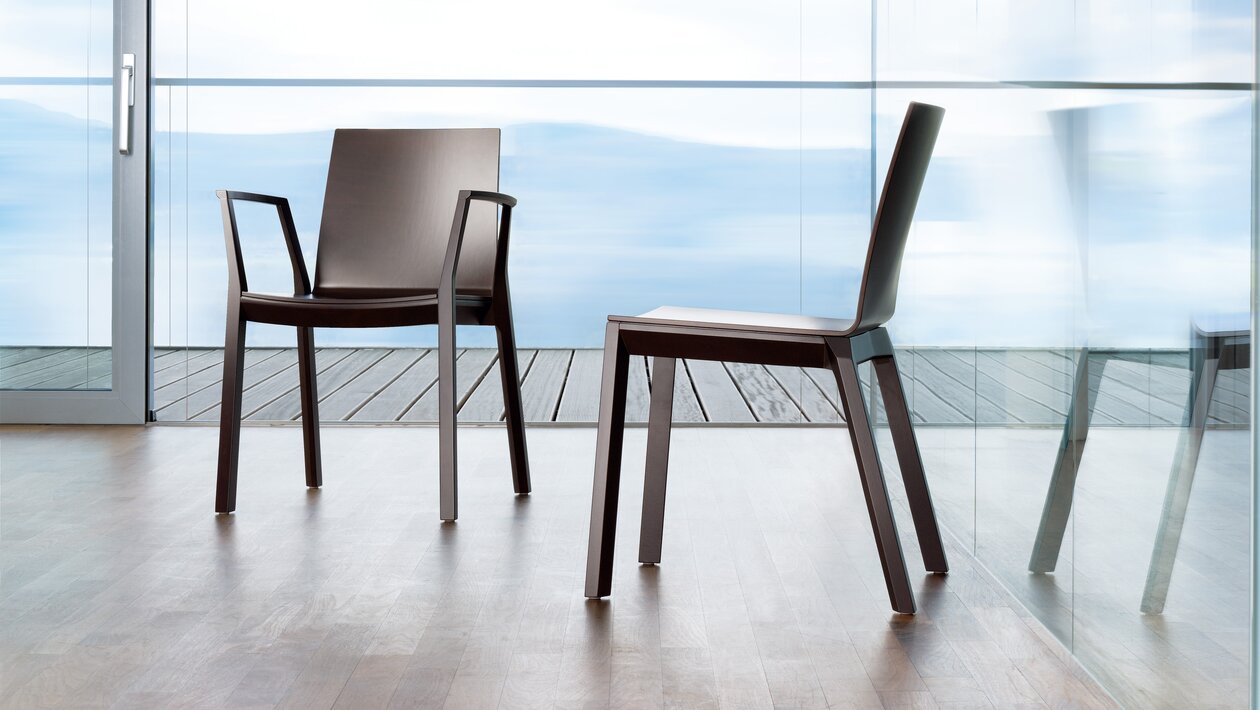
<point>119,587</point>
<point>945,386</point>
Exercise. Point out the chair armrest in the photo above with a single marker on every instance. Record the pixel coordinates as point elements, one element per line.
<point>231,236</point>
<point>446,290</point>
<point>487,196</point>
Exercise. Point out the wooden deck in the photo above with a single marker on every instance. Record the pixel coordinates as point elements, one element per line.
<point>376,385</point>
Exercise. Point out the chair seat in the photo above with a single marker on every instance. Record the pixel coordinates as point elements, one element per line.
<point>322,311</point>
<point>742,320</point>
<point>1222,325</point>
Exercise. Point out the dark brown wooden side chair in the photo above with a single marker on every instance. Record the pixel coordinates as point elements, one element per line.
<point>667,334</point>
<point>385,259</point>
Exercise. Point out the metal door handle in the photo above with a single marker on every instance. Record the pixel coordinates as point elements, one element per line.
<point>126,99</point>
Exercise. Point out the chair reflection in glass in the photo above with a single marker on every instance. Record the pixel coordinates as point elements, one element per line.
<point>1216,343</point>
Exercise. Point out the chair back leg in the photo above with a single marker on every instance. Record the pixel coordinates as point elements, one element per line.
<point>1177,496</point>
<point>612,424</point>
<point>660,419</point>
<point>911,463</point>
<point>230,411</point>
<point>448,479</point>
<point>875,489</point>
<point>310,407</point>
<point>510,372</point>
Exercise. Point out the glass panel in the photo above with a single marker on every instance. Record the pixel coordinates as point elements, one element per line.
<point>1162,538</point>
<point>1051,40</point>
<point>56,238</point>
<point>726,192</point>
<point>619,40</point>
<point>1069,240</point>
<point>1082,238</point>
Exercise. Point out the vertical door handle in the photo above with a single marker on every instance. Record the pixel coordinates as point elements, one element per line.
<point>126,100</point>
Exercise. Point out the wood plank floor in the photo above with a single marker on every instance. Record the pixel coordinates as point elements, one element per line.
<point>120,588</point>
<point>374,385</point>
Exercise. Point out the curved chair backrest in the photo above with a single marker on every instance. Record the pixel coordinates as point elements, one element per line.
<point>878,297</point>
<point>388,208</point>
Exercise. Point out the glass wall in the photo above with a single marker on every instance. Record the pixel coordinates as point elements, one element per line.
<point>1078,268</point>
<point>1080,254</point>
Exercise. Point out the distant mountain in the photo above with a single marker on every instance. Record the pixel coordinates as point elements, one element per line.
<point>609,221</point>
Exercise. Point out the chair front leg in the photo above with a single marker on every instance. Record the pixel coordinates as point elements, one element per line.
<point>310,406</point>
<point>612,424</point>
<point>660,418</point>
<point>1067,463</point>
<point>230,410</point>
<point>911,463</point>
<point>509,370</point>
<point>874,487</point>
<point>448,483</point>
<point>1177,496</point>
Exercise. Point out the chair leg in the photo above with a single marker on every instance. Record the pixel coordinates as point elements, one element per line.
<point>874,487</point>
<point>1058,506</point>
<point>612,424</point>
<point>310,407</point>
<point>515,420</point>
<point>230,411</point>
<point>1177,495</point>
<point>660,418</point>
<point>911,463</point>
<point>448,483</point>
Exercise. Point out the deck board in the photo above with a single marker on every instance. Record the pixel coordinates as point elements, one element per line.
<point>203,390</point>
<point>943,386</point>
<point>470,368</point>
<point>204,403</point>
<point>928,405</point>
<point>339,405</point>
<point>763,394</point>
<point>184,368</point>
<point>1121,397</point>
<point>77,374</point>
<point>720,399</point>
<point>544,385</point>
<point>16,356</point>
<point>399,395</point>
<point>486,402</point>
<point>580,402</point>
<point>168,357</point>
<point>805,394</point>
<point>329,378</point>
<point>638,390</point>
<point>960,394</point>
<point>1007,404</point>
<point>262,387</point>
<point>33,372</point>
<point>686,403</point>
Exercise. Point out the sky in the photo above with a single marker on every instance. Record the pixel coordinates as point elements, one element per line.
<point>788,171</point>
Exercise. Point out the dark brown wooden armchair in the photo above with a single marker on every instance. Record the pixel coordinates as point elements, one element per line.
<point>386,258</point>
<point>839,345</point>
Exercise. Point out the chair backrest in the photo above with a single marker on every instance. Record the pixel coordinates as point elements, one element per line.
<point>878,297</point>
<point>388,208</point>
